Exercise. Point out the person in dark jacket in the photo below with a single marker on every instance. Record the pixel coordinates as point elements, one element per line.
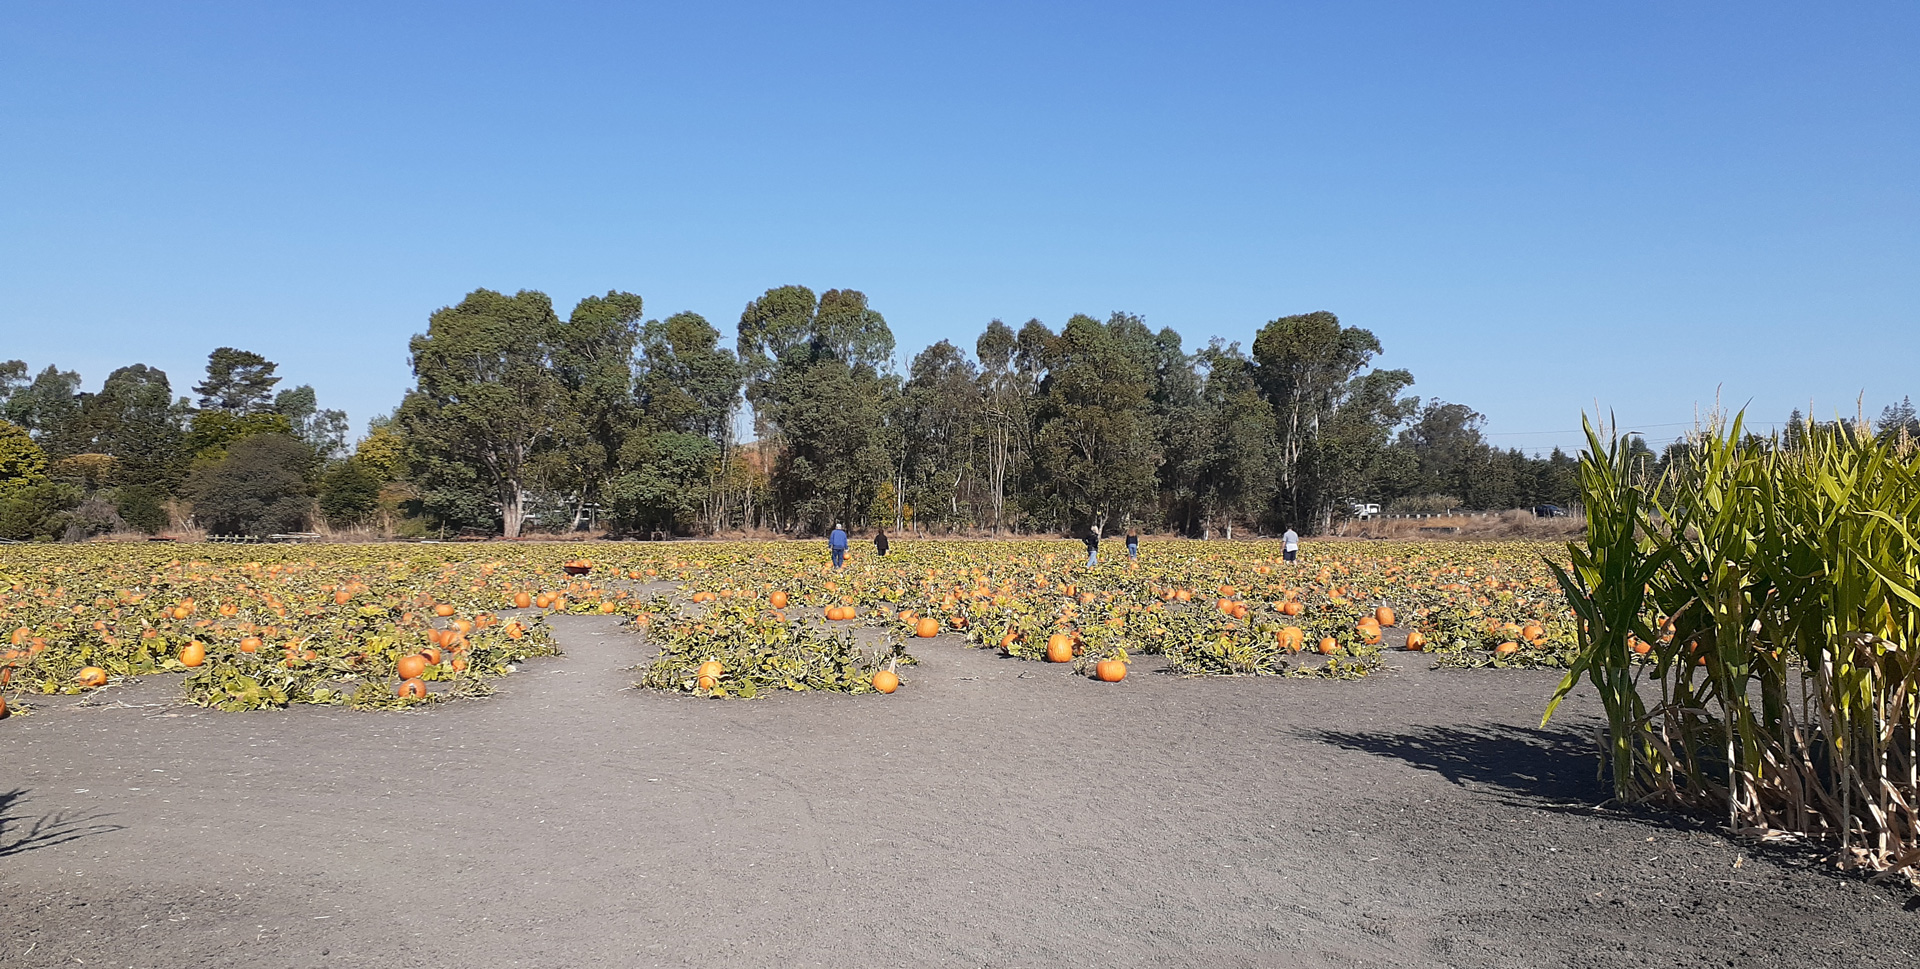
<point>1093,546</point>
<point>837,544</point>
<point>1133,544</point>
<point>880,541</point>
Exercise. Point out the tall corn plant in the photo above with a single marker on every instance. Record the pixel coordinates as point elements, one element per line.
<point>1776,589</point>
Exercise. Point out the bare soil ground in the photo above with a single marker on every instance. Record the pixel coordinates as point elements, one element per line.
<point>992,813</point>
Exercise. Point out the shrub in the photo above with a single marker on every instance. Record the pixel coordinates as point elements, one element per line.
<point>258,488</point>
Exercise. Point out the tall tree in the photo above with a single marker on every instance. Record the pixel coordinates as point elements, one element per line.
<point>136,419</point>
<point>593,361</point>
<point>1097,436</point>
<point>1233,433</point>
<point>237,381</point>
<point>940,425</point>
<point>486,396</point>
<point>1006,391</point>
<point>688,386</point>
<point>45,404</point>
<point>820,398</point>
<point>1308,366</point>
<point>322,429</point>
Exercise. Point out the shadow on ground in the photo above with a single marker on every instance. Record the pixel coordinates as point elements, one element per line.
<point>1548,765</point>
<point>18,833</point>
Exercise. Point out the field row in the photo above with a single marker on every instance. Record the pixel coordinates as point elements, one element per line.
<point>382,626</point>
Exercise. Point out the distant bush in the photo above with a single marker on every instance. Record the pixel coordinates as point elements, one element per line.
<point>259,488</point>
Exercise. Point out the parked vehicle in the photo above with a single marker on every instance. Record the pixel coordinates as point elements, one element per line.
<point>1549,511</point>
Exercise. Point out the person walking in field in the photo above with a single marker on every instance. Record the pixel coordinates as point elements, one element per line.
<point>880,542</point>
<point>1093,545</point>
<point>1133,544</point>
<point>1290,542</point>
<point>837,544</point>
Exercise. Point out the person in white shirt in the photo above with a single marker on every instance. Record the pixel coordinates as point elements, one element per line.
<point>1291,542</point>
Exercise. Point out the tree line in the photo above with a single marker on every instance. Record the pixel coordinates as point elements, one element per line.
<point>522,419</point>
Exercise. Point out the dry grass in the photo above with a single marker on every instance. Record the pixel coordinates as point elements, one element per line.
<point>1517,525</point>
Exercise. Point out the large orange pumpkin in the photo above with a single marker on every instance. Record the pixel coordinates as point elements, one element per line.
<point>1329,646</point>
<point>1291,638</point>
<point>708,675</point>
<point>927,628</point>
<point>1416,641</point>
<point>1384,615</point>
<point>91,676</point>
<point>1059,648</point>
<point>194,653</point>
<point>443,610</point>
<point>410,667</point>
<point>778,600</point>
<point>412,688</point>
<point>1110,671</point>
<point>886,681</point>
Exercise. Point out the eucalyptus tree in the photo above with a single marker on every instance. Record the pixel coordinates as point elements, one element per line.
<point>486,398</point>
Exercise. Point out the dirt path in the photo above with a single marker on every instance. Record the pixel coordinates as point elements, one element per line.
<point>992,813</point>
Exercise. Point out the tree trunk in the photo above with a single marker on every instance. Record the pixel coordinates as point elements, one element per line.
<point>512,509</point>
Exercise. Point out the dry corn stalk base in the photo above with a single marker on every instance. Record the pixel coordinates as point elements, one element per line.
<point>1775,584</point>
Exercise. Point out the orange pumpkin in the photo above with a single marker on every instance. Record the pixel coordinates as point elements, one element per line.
<point>412,688</point>
<point>1416,641</point>
<point>1059,648</point>
<point>1506,649</point>
<point>1110,671</point>
<point>521,600</point>
<point>886,681</point>
<point>1329,646</point>
<point>251,644</point>
<point>194,653</point>
<point>410,667</point>
<point>1291,638</point>
<point>778,600</point>
<point>927,628</point>
<point>91,676</point>
<point>443,610</point>
<point>1384,615</point>
<point>1290,607</point>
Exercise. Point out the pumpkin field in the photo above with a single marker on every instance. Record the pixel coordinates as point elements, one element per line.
<point>382,627</point>
<point>964,752</point>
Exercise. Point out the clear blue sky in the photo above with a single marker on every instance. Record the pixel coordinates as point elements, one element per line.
<point>1538,207</point>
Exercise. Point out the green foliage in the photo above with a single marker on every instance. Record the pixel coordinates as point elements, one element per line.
<point>1097,438</point>
<point>258,488</point>
<point>142,507</point>
<point>668,483</point>
<point>486,399</point>
<point>325,431</point>
<point>22,463</point>
<point>37,512</point>
<point>1776,589</point>
<point>237,381</point>
<point>760,653</point>
<point>214,432</point>
<point>349,493</point>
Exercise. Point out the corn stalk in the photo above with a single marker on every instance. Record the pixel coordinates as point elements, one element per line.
<point>1777,588</point>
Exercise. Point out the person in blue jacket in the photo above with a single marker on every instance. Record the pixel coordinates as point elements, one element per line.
<point>837,543</point>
